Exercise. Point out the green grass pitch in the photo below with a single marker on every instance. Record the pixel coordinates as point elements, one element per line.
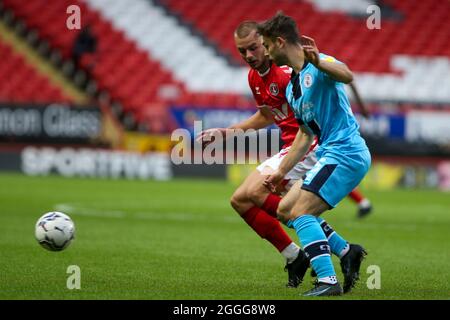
<point>181,240</point>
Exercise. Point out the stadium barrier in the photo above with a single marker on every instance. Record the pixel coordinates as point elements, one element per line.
<point>73,162</point>
<point>49,139</point>
<point>52,123</point>
<point>386,172</point>
<point>408,133</point>
<point>87,162</point>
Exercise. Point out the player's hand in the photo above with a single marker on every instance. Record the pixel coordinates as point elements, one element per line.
<point>207,136</point>
<point>311,50</point>
<point>272,181</point>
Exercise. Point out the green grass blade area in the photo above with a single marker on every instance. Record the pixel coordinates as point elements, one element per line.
<point>181,240</point>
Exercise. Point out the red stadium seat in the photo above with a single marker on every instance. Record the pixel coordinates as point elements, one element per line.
<point>338,31</point>
<point>21,82</point>
<point>119,67</point>
<point>134,77</point>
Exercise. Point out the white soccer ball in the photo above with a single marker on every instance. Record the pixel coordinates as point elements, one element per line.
<point>55,231</point>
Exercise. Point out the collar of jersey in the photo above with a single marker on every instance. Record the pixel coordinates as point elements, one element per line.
<point>294,76</point>
<point>266,72</point>
<point>297,89</point>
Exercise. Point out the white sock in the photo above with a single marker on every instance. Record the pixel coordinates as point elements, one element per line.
<point>329,280</point>
<point>345,250</point>
<point>291,252</point>
<point>365,203</point>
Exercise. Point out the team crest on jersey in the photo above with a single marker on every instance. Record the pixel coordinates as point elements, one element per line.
<point>274,89</point>
<point>307,80</point>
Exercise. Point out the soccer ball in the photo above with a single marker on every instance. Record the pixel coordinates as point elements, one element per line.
<point>55,231</point>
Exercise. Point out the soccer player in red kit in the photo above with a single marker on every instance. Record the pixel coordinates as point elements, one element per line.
<point>256,204</point>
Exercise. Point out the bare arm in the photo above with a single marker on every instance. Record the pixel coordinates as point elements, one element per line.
<point>298,150</point>
<point>365,112</point>
<point>261,119</point>
<point>337,71</point>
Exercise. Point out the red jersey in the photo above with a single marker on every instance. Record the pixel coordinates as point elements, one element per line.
<point>269,92</point>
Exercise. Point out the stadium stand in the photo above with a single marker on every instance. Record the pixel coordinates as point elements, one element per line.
<point>396,55</point>
<point>342,34</point>
<point>155,53</point>
<point>23,83</point>
<point>116,58</point>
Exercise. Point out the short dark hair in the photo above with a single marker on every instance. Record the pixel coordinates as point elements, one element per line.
<point>245,28</point>
<point>282,26</point>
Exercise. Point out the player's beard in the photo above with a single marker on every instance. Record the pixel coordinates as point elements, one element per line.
<point>280,60</point>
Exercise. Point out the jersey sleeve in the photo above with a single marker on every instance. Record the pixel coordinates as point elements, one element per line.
<point>328,58</point>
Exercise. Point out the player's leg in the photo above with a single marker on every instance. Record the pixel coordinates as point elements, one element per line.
<point>325,185</point>
<point>364,205</point>
<point>240,201</point>
<point>350,255</point>
<point>266,226</point>
<point>314,242</point>
<point>252,191</point>
<point>297,269</point>
<point>260,196</point>
<point>331,179</point>
<point>288,201</point>
<point>244,201</point>
<point>352,169</point>
<point>338,245</point>
<point>269,202</point>
<point>294,184</point>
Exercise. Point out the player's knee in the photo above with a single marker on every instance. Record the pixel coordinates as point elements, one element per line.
<point>234,201</point>
<point>283,212</point>
<point>238,200</point>
<point>296,214</point>
<point>257,195</point>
